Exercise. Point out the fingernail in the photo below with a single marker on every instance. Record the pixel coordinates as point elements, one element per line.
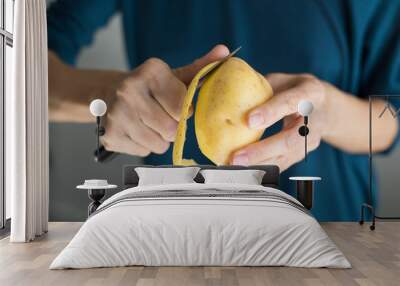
<point>241,159</point>
<point>256,120</point>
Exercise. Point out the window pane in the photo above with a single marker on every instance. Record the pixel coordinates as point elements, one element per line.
<point>9,9</point>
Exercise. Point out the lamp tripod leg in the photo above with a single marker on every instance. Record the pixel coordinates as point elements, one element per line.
<point>372,227</point>
<point>361,222</point>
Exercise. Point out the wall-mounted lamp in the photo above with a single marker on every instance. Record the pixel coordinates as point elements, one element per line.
<point>98,108</point>
<point>305,108</point>
<point>305,184</point>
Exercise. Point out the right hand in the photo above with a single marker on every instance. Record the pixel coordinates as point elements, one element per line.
<point>145,108</point>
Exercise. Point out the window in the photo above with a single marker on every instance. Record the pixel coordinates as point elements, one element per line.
<point>6,43</point>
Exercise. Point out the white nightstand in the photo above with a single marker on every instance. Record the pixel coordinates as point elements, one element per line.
<point>96,190</point>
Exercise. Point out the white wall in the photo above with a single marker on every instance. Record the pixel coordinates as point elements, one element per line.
<point>108,50</point>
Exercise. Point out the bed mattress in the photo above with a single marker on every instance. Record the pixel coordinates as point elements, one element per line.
<point>201,225</point>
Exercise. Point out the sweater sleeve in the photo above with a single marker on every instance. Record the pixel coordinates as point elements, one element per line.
<point>72,24</point>
<point>381,57</point>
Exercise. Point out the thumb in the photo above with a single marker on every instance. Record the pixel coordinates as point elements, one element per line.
<point>186,73</point>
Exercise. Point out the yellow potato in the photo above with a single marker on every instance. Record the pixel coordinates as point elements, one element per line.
<point>224,100</point>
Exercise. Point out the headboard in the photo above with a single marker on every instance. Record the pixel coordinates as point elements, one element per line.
<point>271,178</point>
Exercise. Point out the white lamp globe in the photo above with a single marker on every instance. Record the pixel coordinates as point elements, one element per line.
<point>305,107</point>
<point>98,107</point>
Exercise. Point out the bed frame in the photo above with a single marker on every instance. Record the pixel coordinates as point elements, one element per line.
<point>130,179</point>
<point>271,178</point>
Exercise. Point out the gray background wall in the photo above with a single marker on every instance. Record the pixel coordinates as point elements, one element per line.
<point>388,169</point>
<point>71,146</point>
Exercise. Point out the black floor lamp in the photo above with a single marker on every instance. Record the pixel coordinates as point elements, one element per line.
<point>369,204</point>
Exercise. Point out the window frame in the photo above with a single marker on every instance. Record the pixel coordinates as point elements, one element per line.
<point>6,39</point>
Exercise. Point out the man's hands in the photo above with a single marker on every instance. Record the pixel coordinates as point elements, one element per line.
<point>145,107</point>
<point>338,118</point>
<point>287,147</point>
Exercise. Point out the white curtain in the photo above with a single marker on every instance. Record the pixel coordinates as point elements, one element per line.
<point>27,146</point>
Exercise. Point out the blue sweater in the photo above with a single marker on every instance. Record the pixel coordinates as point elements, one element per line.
<point>354,45</point>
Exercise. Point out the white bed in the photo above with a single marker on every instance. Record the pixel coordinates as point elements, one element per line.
<point>201,224</point>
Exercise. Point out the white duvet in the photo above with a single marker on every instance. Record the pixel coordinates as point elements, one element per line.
<point>188,231</point>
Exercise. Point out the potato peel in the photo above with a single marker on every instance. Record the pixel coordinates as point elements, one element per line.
<point>177,153</point>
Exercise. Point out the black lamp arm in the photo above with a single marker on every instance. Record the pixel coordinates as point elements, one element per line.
<point>303,131</point>
<point>101,154</point>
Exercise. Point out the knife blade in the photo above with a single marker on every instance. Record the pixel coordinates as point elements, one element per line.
<point>219,64</point>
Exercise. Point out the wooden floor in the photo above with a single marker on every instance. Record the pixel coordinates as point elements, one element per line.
<point>375,257</point>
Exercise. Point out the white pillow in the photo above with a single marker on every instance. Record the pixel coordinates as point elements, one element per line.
<point>162,176</point>
<point>247,177</point>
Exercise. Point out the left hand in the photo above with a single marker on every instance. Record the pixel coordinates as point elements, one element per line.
<point>287,147</point>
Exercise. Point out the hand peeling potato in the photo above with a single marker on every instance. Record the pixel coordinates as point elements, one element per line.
<point>225,98</point>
